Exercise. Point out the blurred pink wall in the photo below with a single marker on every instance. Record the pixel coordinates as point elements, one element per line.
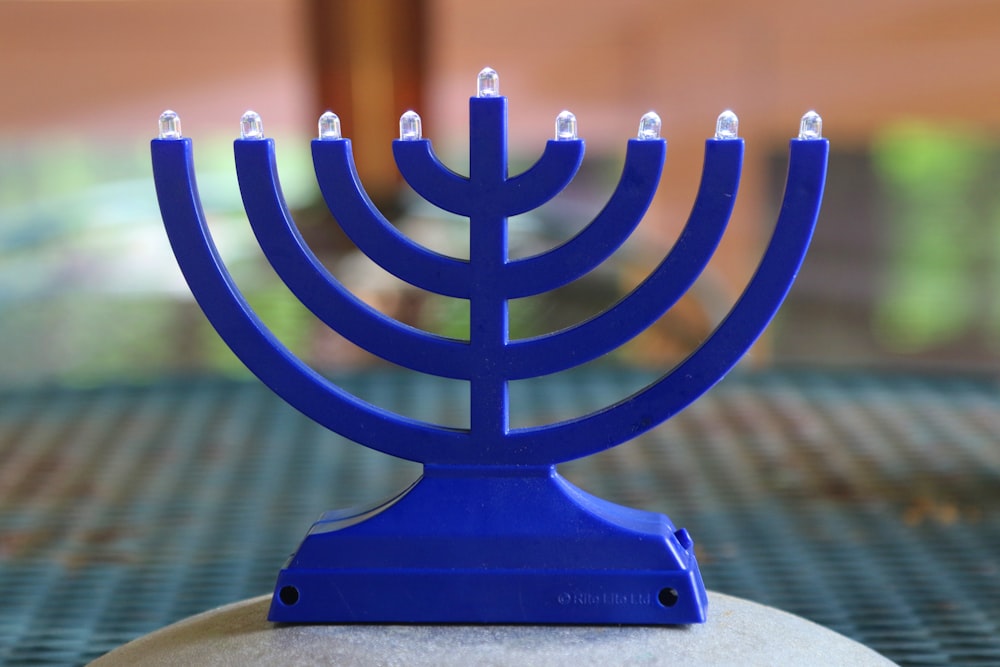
<point>113,66</point>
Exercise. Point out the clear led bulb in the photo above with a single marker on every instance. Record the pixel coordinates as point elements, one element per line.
<point>649,126</point>
<point>565,126</point>
<point>410,126</point>
<point>170,125</point>
<point>811,126</point>
<point>727,126</point>
<point>329,126</point>
<point>251,126</point>
<point>488,83</point>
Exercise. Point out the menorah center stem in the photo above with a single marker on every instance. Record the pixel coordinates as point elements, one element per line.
<point>488,146</point>
<point>488,329</point>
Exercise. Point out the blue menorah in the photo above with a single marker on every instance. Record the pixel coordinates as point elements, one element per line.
<point>490,532</point>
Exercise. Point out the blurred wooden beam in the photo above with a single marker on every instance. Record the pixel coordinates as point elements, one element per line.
<point>369,58</point>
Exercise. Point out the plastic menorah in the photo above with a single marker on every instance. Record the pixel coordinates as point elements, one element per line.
<point>490,532</point>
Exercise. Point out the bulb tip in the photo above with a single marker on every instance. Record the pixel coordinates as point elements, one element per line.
<point>251,126</point>
<point>410,126</point>
<point>727,126</point>
<point>170,125</point>
<point>811,126</point>
<point>566,126</point>
<point>329,126</point>
<point>488,83</point>
<point>650,126</point>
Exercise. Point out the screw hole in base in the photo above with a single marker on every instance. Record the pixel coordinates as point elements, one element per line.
<point>667,597</point>
<point>289,595</point>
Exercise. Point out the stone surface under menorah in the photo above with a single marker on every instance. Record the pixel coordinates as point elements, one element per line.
<point>490,532</point>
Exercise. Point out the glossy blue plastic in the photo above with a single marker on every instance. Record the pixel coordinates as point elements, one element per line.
<point>490,532</point>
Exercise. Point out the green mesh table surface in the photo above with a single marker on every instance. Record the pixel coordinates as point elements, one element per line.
<point>867,503</point>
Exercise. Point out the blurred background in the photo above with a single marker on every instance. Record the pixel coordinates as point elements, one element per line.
<point>903,272</point>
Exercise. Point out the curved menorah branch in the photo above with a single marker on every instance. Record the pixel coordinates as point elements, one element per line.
<point>373,234</point>
<point>602,236</point>
<point>667,283</point>
<point>434,181</point>
<point>309,280</point>
<point>720,352</point>
<point>546,178</point>
<point>257,347</point>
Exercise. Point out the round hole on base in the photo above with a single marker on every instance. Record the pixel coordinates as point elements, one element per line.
<point>668,597</point>
<point>289,595</point>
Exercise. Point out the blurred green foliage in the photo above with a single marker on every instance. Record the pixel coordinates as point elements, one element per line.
<point>942,211</point>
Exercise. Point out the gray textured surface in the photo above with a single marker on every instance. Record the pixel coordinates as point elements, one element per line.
<point>739,632</point>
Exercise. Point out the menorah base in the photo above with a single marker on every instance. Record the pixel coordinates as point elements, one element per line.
<point>507,545</point>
